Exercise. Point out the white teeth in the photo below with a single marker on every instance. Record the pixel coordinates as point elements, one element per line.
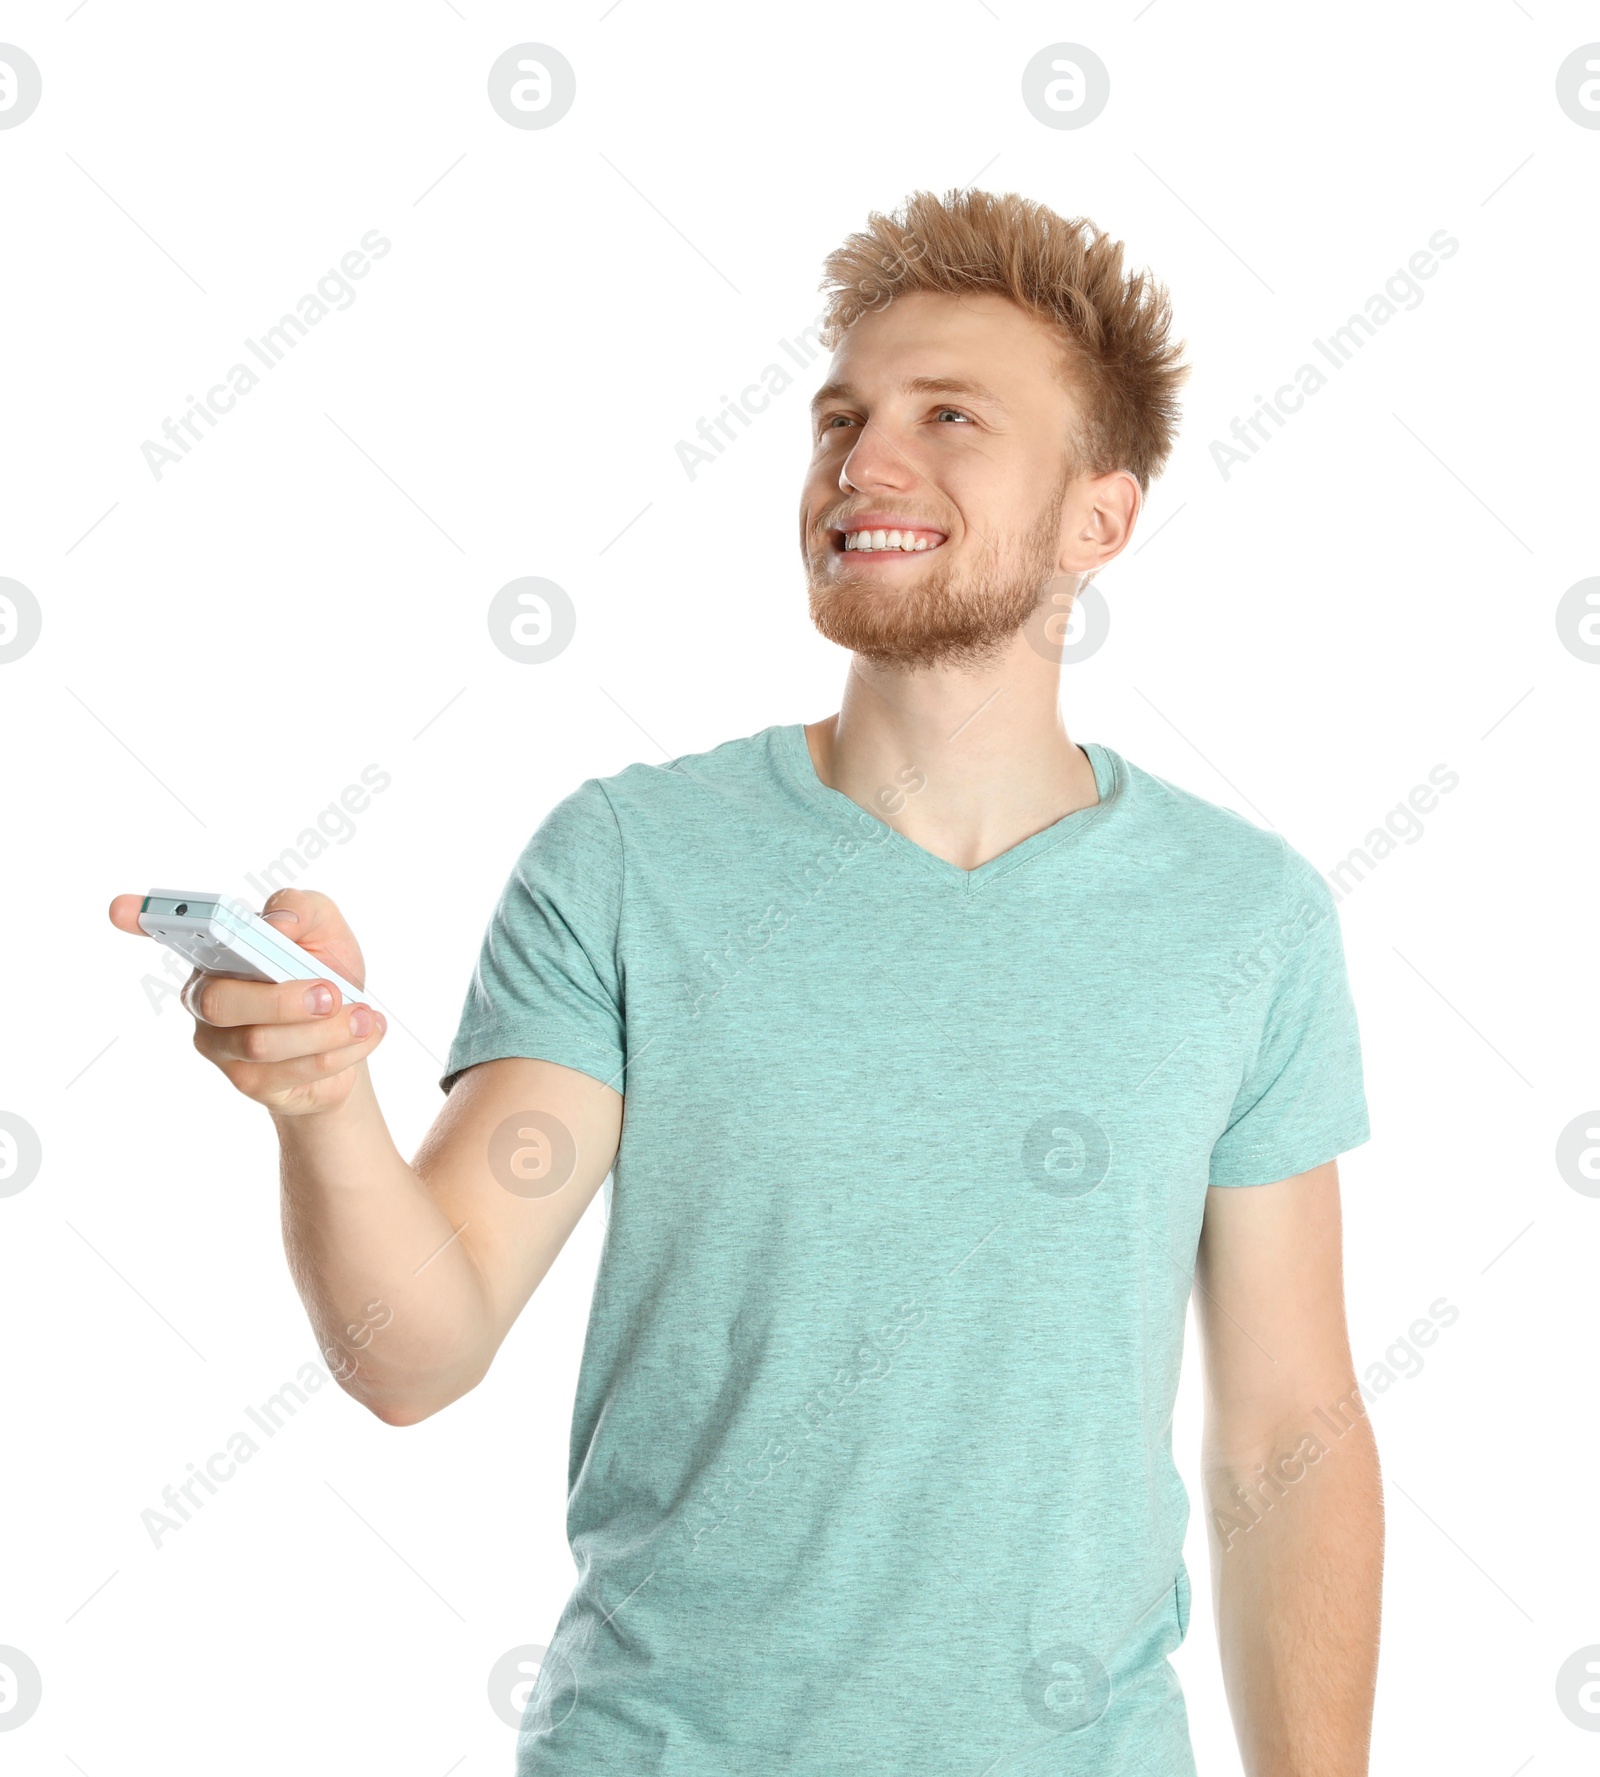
<point>906,541</point>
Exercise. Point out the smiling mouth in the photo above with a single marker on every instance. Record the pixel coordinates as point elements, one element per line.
<point>887,541</point>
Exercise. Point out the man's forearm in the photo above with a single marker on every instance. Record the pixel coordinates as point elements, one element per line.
<point>1297,1565</point>
<point>396,1302</point>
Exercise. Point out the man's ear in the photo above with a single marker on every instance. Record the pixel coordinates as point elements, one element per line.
<point>1108,508</point>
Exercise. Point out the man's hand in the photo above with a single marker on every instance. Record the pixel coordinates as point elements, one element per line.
<point>293,1045</point>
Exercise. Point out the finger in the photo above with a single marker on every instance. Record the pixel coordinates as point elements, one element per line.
<point>314,922</point>
<point>267,1043</point>
<point>124,912</point>
<point>264,1079</point>
<point>226,1001</point>
<point>301,910</point>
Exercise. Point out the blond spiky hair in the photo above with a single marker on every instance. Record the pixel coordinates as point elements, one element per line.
<point>1117,357</point>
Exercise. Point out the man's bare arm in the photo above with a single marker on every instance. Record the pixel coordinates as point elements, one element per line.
<point>1293,1492</point>
<point>411,1275</point>
<point>417,1273</point>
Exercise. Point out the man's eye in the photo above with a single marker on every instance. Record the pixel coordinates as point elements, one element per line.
<point>942,411</point>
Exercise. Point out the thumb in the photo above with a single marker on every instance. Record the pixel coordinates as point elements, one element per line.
<point>315,923</point>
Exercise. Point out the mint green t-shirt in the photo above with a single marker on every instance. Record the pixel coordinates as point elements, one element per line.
<point>870,1465</point>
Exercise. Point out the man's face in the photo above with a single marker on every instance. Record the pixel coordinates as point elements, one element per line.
<point>943,417</point>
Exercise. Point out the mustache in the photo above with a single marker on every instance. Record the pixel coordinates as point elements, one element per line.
<point>845,520</point>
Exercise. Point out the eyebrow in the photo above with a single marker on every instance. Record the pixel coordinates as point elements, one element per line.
<point>915,385</point>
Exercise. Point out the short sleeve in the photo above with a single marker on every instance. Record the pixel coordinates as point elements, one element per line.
<point>547,983</point>
<point>1302,1099</point>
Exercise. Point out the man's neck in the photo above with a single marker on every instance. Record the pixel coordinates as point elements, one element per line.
<point>966,764</point>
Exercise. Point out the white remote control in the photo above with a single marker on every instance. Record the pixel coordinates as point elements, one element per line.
<point>220,934</point>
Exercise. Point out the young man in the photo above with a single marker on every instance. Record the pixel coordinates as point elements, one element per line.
<point>952,1052</point>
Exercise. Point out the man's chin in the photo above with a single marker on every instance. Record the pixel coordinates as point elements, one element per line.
<point>904,633</point>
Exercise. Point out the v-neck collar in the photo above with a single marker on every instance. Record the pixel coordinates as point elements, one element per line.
<point>1110,777</point>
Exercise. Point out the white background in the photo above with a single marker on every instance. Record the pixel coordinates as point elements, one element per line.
<point>225,648</point>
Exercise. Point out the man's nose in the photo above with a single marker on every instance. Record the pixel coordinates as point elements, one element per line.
<point>876,459</point>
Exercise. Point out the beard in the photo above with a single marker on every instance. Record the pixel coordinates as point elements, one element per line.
<point>952,613</point>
